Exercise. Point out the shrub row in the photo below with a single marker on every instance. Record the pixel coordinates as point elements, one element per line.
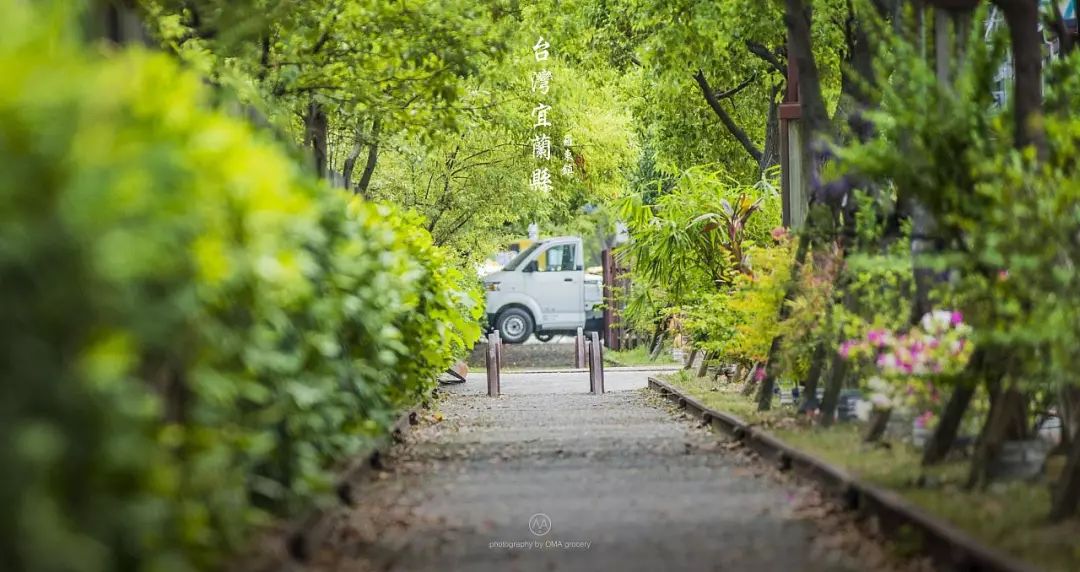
<point>193,331</point>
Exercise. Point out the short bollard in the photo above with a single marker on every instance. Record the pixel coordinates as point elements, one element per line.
<point>498,350</point>
<point>492,364</point>
<point>596,364</point>
<point>579,349</point>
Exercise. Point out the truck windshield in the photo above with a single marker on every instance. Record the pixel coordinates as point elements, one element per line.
<point>513,264</point>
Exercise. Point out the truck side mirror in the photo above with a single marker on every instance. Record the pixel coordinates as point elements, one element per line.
<point>531,267</point>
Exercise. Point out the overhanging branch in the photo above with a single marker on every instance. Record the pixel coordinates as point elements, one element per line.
<point>767,55</point>
<point>725,118</point>
<point>735,90</point>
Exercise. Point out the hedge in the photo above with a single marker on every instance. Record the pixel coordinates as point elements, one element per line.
<point>193,331</point>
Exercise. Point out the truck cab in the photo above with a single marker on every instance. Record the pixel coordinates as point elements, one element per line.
<point>544,290</point>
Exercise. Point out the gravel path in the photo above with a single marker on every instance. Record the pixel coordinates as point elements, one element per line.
<point>623,484</point>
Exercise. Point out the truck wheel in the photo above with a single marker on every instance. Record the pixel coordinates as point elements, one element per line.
<point>515,325</point>
<point>545,337</point>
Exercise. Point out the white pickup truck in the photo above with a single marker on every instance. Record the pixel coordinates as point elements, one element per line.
<point>544,290</point>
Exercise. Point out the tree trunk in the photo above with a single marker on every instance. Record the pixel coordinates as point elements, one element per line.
<point>316,126</point>
<point>856,77</point>
<point>1022,16</point>
<point>350,162</point>
<point>837,375</point>
<point>1067,490</point>
<point>749,382</point>
<point>658,339</point>
<point>690,362</point>
<point>940,443</point>
<point>817,365</point>
<point>372,157</point>
<point>923,228</point>
<point>1070,411</point>
<point>765,395</point>
<point>879,421</point>
<point>1066,42</point>
<point>1000,426</point>
<point>982,366</point>
<point>704,367</point>
<point>770,156</point>
<point>798,19</point>
<point>790,291</point>
<point>658,345</point>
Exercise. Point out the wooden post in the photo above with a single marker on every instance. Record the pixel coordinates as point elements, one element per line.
<point>579,349</point>
<point>793,177</point>
<point>492,364</point>
<point>599,365</point>
<point>596,364</point>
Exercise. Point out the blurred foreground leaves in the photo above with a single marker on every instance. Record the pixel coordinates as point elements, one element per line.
<point>193,330</point>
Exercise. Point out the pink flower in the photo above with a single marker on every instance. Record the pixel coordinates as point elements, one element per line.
<point>956,319</point>
<point>759,375</point>
<point>845,349</point>
<point>876,337</point>
<point>779,233</point>
<point>1003,275</point>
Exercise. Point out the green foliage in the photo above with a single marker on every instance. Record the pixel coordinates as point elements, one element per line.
<point>930,135</point>
<point>1022,286</point>
<point>436,95</point>
<point>739,324</point>
<point>202,331</point>
<point>690,240</point>
<point>876,291</point>
<point>661,45</point>
<point>402,62</point>
<point>474,190</point>
<point>1006,219</point>
<point>810,311</point>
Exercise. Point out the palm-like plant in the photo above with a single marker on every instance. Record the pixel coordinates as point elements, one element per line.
<point>730,221</point>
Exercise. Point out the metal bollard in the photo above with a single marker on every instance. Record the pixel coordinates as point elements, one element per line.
<point>492,363</point>
<point>596,364</point>
<point>579,349</point>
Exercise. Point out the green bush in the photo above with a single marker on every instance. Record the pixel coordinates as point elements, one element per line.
<point>690,243</point>
<point>193,331</point>
<point>739,324</point>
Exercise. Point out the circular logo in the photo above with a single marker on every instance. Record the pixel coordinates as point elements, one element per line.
<point>539,524</point>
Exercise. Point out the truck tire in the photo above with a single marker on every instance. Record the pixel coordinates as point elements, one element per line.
<point>515,325</point>
<point>545,337</point>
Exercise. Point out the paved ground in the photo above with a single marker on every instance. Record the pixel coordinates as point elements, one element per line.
<point>548,477</point>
